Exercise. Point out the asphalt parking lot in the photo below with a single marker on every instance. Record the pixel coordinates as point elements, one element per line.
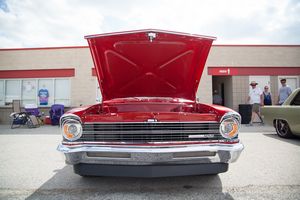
<point>31,168</point>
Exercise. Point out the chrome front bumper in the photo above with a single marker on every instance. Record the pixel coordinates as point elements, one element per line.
<point>144,155</point>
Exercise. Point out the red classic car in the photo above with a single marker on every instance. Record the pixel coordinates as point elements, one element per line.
<point>149,123</point>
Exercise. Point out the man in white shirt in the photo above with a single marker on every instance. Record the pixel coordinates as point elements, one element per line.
<point>255,98</point>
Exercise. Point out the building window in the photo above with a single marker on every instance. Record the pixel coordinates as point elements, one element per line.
<point>46,92</point>
<point>42,92</point>
<point>12,90</point>
<point>29,91</point>
<point>291,81</point>
<point>2,92</point>
<point>62,92</point>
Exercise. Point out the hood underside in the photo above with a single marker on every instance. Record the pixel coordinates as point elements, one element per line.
<point>149,63</point>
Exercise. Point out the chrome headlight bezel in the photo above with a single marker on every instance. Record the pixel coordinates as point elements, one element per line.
<point>71,127</point>
<point>230,121</point>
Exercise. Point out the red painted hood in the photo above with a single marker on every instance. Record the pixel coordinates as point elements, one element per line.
<point>149,63</point>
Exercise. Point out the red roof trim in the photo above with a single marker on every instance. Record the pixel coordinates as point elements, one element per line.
<point>37,73</point>
<point>214,45</point>
<point>257,70</point>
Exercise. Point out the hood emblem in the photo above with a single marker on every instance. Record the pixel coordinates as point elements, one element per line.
<point>151,120</point>
<point>151,36</point>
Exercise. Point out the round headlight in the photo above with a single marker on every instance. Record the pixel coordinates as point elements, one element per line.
<point>229,128</point>
<point>71,130</point>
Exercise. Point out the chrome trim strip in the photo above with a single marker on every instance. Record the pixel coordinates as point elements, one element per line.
<point>183,148</point>
<point>225,153</point>
<point>173,143</point>
<point>202,136</point>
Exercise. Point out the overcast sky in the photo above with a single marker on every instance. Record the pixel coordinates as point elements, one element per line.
<point>42,23</point>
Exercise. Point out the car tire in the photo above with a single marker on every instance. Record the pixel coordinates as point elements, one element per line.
<point>283,129</point>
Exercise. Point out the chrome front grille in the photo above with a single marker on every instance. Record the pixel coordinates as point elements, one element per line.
<point>150,132</point>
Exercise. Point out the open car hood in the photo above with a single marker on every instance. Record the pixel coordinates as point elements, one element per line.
<point>149,63</point>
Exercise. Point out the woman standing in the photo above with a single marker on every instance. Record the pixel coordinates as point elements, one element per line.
<point>267,96</point>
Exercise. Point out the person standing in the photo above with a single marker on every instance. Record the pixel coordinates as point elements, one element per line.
<point>217,99</point>
<point>255,98</point>
<point>284,92</point>
<point>267,96</point>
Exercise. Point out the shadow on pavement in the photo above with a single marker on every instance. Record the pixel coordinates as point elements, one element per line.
<point>67,185</point>
<point>24,130</point>
<point>295,140</point>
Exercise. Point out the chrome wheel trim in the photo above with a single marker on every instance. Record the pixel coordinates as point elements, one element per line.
<point>282,127</point>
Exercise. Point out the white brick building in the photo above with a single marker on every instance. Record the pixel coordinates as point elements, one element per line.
<point>68,74</point>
